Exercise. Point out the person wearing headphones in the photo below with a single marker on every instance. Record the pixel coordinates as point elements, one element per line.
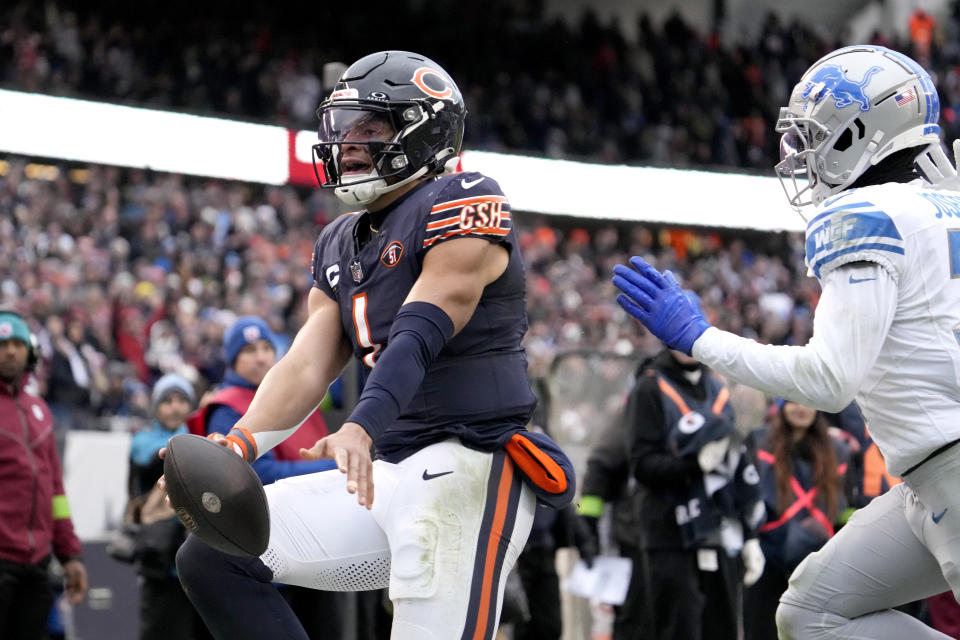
<point>35,522</point>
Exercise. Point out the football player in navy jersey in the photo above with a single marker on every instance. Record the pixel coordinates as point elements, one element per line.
<point>425,287</point>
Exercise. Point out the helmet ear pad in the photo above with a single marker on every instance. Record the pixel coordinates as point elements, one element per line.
<point>436,145</point>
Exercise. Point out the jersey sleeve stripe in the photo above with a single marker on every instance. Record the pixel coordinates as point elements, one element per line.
<point>446,222</point>
<point>453,204</point>
<point>844,229</point>
<point>873,246</point>
<point>484,231</point>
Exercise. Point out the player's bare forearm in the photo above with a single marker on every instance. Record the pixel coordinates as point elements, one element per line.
<point>294,386</point>
<point>455,274</point>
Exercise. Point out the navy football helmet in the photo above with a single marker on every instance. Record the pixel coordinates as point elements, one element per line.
<point>393,117</point>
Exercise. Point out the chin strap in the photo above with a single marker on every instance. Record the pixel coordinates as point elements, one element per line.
<point>367,192</point>
<point>362,193</point>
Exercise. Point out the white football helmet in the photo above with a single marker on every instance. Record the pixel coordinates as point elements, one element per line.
<point>850,110</point>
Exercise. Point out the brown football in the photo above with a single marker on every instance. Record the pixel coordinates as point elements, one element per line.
<point>217,495</point>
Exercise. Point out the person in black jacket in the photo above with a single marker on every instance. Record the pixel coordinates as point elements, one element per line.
<point>702,502</point>
<point>607,481</point>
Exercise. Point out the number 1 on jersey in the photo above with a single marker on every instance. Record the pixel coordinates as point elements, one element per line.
<point>362,328</point>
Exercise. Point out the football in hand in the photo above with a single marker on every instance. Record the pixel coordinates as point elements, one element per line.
<point>217,495</point>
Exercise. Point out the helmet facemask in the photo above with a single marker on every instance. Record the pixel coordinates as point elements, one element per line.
<point>802,140</point>
<point>803,144</point>
<point>389,154</point>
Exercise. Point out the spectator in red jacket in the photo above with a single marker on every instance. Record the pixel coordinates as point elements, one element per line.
<point>34,515</point>
<point>250,349</point>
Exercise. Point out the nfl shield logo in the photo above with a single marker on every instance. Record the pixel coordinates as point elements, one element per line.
<point>6,330</point>
<point>356,271</point>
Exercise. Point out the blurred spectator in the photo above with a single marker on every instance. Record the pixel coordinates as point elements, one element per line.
<point>669,97</point>
<point>139,313</point>
<point>541,617</point>
<point>700,510</point>
<point>165,611</point>
<point>922,26</point>
<point>34,514</point>
<point>606,481</point>
<point>125,396</point>
<point>75,382</point>
<point>809,489</point>
<point>250,350</point>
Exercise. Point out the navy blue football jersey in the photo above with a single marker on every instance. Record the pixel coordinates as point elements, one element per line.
<point>477,388</point>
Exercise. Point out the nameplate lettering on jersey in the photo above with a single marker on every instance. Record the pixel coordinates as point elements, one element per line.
<point>478,215</point>
<point>946,206</point>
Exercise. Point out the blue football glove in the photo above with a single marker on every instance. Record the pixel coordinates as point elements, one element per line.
<point>660,304</point>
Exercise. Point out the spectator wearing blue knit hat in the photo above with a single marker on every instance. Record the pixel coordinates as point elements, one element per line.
<point>250,350</point>
<point>171,400</point>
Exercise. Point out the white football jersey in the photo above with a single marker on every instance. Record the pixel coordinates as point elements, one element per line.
<point>911,396</point>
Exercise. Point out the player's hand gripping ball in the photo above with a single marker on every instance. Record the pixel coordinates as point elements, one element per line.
<point>217,495</point>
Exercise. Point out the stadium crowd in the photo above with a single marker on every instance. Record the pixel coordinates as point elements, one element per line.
<point>129,275</point>
<point>671,96</point>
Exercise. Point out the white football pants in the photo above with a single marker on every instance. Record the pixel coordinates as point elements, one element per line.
<point>446,528</point>
<point>902,547</point>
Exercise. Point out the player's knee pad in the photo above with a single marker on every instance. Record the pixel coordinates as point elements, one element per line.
<point>951,572</point>
<point>406,630</point>
<point>425,550</point>
<point>790,620</point>
<point>794,622</point>
<point>203,570</point>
